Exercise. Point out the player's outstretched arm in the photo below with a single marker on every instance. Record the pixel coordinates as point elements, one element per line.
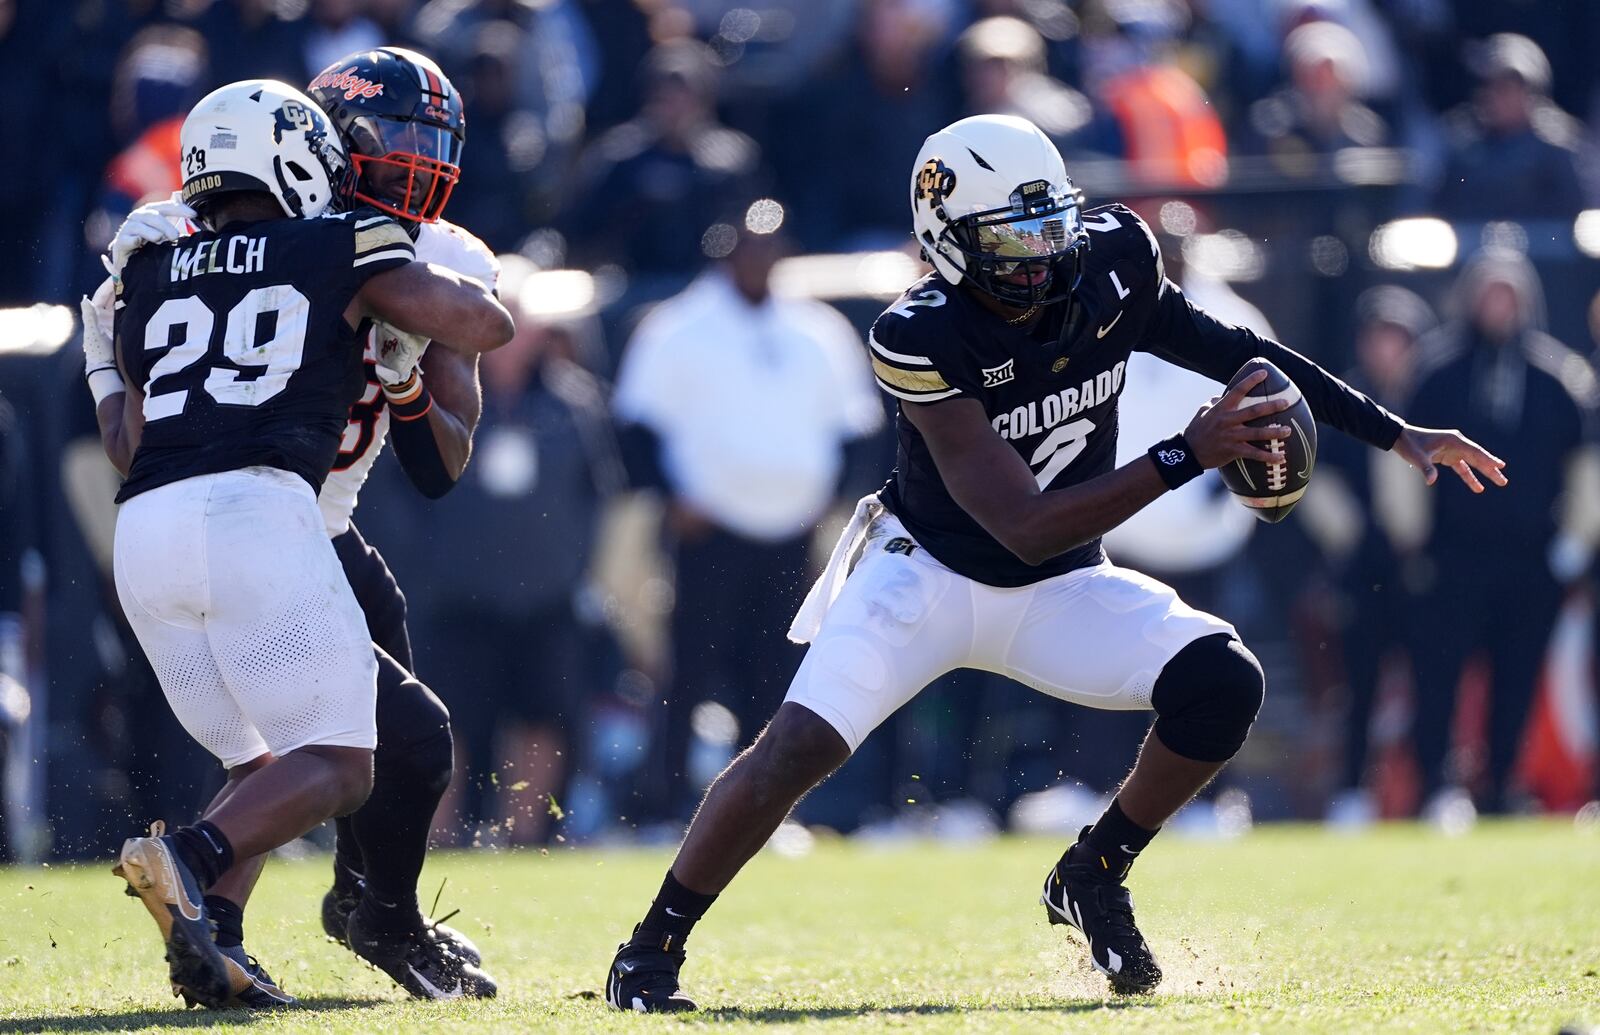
<point>1193,338</point>
<point>1428,449</point>
<point>1184,334</point>
<point>992,483</point>
<point>436,302</point>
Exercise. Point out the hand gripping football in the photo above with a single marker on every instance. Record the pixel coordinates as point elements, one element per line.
<point>1272,490</point>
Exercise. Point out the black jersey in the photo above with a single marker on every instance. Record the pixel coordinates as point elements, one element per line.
<point>1054,396</point>
<point>239,341</point>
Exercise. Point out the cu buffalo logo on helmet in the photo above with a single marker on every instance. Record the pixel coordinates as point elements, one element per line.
<point>293,116</point>
<point>935,182</point>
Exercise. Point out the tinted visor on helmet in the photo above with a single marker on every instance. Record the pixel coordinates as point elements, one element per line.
<point>1014,253</point>
<point>407,168</point>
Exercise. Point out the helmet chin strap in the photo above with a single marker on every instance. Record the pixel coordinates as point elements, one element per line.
<point>1072,303</point>
<point>291,197</point>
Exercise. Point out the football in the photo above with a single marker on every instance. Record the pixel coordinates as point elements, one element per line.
<point>1272,490</point>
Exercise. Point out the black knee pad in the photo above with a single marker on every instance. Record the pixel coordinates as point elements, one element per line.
<point>1207,697</point>
<point>415,742</point>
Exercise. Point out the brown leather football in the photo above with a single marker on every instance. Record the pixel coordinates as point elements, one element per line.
<point>1272,490</point>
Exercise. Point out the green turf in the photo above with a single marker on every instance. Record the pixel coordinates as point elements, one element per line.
<point>1288,930</point>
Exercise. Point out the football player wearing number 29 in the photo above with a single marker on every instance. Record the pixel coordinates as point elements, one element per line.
<point>983,550</point>
<point>402,122</point>
<point>237,354</point>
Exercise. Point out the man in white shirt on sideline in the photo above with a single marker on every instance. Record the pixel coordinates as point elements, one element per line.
<point>739,405</point>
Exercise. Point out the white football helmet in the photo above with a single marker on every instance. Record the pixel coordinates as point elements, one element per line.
<point>263,135</point>
<point>991,204</point>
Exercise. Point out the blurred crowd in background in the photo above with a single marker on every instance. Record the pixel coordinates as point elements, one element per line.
<point>700,206</point>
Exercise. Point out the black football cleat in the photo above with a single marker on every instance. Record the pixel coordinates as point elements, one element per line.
<point>452,939</point>
<point>336,909</point>
<point>1102,910</point>
<point>423,965</point>
<point>253,987</point>
<point>157,876</point>
<point>644,975</point>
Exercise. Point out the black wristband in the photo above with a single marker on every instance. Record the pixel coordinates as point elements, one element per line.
<point>1175,461</point>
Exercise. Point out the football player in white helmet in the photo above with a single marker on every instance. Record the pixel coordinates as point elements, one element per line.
<point>236,353</point>
<point>403,125</point>
<point>983,550</point>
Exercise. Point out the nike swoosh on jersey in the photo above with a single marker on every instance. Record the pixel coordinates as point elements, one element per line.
<point>1102,332</point>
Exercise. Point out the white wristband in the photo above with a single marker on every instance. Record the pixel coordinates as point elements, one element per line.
<point>103,382</point>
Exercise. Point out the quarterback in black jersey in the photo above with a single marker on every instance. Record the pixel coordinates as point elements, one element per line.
<point>237,355</point>
<point>983,551</point>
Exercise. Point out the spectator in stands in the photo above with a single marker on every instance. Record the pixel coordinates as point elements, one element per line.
<point>1056,23</point>
<point>254,38</point>
<point>162,73</point>
<point>647,189</point>
<point>509,558</point>
<point>337,28</point>
<point>841,148</point>
<point>740,405</point>
<point>1003,69</point>
<point>630,28</point>
<point>1170,133</point>
<point>507,148</point>
<point>1494,373</point>
<point>1370,535</point>
<point>394,19</point>
<point>1319,111</point>
<point>53,71</point>
<point>1512,152</point>
<point>546,56</point>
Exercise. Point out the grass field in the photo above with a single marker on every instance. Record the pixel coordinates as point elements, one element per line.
<point>1289,930</point>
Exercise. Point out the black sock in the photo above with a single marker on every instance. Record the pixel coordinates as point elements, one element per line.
<point>205,850</point>
<point>410,772</point>
<point>347,861</point>
<point>676,909</point>
<point>229,918</point>
<point>389,916</point>
<point>1112,844</point>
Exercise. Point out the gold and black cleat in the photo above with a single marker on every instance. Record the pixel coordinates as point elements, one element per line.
<point>253,987</point>
<point>170,892</point>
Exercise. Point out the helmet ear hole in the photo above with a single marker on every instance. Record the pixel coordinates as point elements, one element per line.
<point>298,171</point>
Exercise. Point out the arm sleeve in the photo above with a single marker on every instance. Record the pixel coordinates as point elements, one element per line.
<point>418,452</point>
<point>1188,336</point>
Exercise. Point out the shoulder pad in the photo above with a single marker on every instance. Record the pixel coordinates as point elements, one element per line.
<point>378,237</point>
<point>1119,240</point>
<point>459,250</point>
<point>1117,231</point>
<point>917,350</point>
